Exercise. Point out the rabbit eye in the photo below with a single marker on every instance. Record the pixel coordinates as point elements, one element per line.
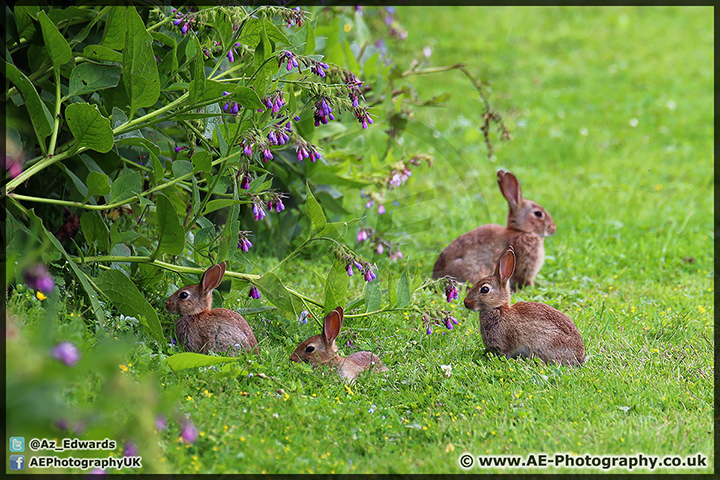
<point>184,295</point>
<point>485,289</point>
<point>538,213</point>
<point>310,349</point>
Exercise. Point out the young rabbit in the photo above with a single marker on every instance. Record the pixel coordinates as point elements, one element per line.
<point>472,255</point>
<point>200,329</point>
<point>321,350</point>
<point>525,329</point>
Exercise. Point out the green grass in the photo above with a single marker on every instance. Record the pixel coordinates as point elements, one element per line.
<point>611,110</point>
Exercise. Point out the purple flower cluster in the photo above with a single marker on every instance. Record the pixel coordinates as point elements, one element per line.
<point>354,84</point>
<point>188,432</point>
<point>244,244</point>
<point>231,107</point>
<point>67,353</point>
<point>186,20</point>
<point>441,318</point>
<point>275,203</point>
<point>293,16</point>
<point>231,52</point>
<point>380,245</point>
<point>275,101</point>
<point>38,278</point>
<point>279,134</point>
<point>363,116</point>
<point>254,293</point>
<point>451,292</point>
<point>323,113</point>
<point>304,315</point>
<point>258,210</point>
<point>246,179</point>
<point>293,60</point>
<point>398,177</point>
<point>131,450</point>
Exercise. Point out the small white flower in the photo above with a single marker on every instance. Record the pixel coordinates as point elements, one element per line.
<point>427,51</point>
<point>447,370</point>
<point>584,132</point>
<point>634,122</point>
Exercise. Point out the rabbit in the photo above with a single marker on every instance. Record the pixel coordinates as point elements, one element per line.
<point>202,330</point>
<point>525,329</point>
<point>321,350</point>
<point>472,255</point>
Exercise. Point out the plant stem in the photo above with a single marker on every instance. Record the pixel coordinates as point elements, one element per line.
<point>158,263</point>
<point>130,125</point>
<point>58,104</point>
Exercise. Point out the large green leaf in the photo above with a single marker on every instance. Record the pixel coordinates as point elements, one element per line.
<point>315,213</point>
<point>197,85</point>
<point>140,73</point>
<point>115,28</point>
<point>89,127</point>
<point>56,45</point>
<point>79,274</point>
<point>255,28</point>
<point>171,237</point>
<point>403,290</point>
<point>101,53</point>
<point>126,186</point>
<point>213,205</point>
<point>201,161</point>
<point>40,116</point>
<point>229,236</point>
<point>373,296</point>
<point>336,286</point>
<point>90,77</point>
<point>274,290</point>
<point>125,296</point>
<point>185,360</point>
<point>95,230</point>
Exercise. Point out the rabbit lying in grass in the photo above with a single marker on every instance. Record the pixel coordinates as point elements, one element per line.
<point>472,255</point>
<point>322,350</point>
<point>202,330</point>
<point>525,329</point>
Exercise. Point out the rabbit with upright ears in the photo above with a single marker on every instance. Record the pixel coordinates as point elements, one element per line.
<point>472,256</point>
<point>524,329</point>
<point>322,350</point>
<point>202,329</point>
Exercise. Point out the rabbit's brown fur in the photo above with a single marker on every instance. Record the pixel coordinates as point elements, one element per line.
<point>322,350</point>
<point>202,329</point>
<point>473,255</point>
<point>524,329</point>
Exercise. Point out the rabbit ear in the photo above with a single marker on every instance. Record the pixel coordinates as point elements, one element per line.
<point>506,265</point>
<point>510,188</point>
<point>333,324</point>
<point>211,278</point>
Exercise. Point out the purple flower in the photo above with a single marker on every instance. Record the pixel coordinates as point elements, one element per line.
<point>130,450</point>
<point>369,275</point>
<point>67,353</point>
<point>349,270</point>
<point>279,206</point>
<point>244,245</point>
<point>185,28</point>
<point>13,166</point>
<point>304,315</point>
<point>380,249</point>
<point>358,266</point>
<point>160,422</point>
<point>258,212</point>
<point>225,94</point>
<point>449,325</point>
<point>381,209</point>
<point>254,293</point>
<point>369,204</point>
<point>245,183</point>
<point>362,236</point>
<point>97,471</point>
<point>177,21</point>
<point>247,150</point>
<point>179,149</point>
<point>267,154</point>
<point>231,55</point>
<point>296,118</point>
<point>429,330</point>
<point>189,433</point>
<point>453,320</point>
<point>235,109</point>
<point>39,278</point>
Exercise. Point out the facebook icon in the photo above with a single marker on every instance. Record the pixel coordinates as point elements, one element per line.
<point>17,462</point>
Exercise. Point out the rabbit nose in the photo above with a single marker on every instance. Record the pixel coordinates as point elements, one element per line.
<point>468,303</point>
<point>294,357</point>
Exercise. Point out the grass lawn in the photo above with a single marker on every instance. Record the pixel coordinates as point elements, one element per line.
<point>611,110</point>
